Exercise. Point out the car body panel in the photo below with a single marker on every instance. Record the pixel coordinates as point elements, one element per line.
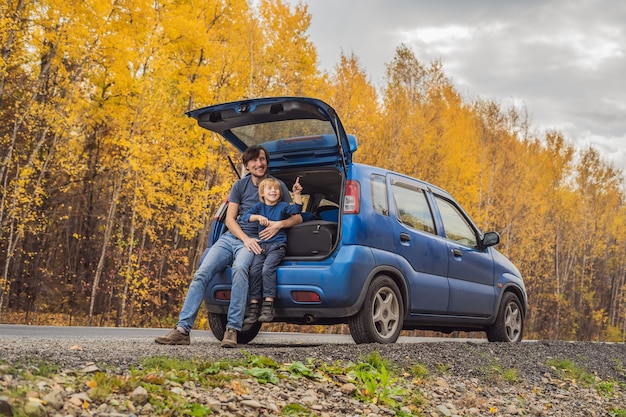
<point>471,279</point>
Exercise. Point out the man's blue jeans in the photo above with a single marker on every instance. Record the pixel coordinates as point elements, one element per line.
<point>228,250</point>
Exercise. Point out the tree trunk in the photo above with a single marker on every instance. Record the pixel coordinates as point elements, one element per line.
<point>129,273</point>
<point>105,244</point>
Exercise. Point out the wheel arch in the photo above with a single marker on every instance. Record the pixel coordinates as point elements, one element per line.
<point>519,293</point>
<point>396,275</point>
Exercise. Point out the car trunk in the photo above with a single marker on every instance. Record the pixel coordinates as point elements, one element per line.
<point>317,235</point>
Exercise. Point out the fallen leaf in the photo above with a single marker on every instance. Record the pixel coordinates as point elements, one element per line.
<point>153,379</point>
<point>236,387</point>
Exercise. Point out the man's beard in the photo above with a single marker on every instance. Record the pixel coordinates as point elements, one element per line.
<point>254,174</point>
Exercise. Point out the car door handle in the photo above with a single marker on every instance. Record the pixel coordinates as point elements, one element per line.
<point>457,252</point>
<point>404,237</point>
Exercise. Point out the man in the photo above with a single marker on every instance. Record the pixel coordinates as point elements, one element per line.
<point>237,247</point>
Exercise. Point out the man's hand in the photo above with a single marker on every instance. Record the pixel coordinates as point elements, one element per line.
<point>252,245</point>
<point>271,230</point>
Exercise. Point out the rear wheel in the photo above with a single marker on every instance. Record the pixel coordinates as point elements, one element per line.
<point>381,317</point>
<point>248,332</point>
<point>509,325</point>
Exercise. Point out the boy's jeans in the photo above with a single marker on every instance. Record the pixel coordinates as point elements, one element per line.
<point>263,270</point>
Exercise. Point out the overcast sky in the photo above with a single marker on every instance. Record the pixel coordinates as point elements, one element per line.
<point>565,61</point>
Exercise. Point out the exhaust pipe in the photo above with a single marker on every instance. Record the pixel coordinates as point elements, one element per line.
<point>309,319</point>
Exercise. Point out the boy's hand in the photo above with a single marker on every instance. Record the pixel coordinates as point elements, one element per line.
<point>271,230</point>
<point>297,188</point>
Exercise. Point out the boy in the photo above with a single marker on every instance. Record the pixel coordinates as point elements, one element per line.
<point>264,265</point>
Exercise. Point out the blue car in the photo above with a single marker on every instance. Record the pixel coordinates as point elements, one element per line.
<point>378,250</point>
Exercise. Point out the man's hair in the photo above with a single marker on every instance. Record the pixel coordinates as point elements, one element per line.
<point>268,182</point>
<point>253,152</point>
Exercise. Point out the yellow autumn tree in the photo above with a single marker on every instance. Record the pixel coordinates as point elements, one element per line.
<point>355,99</point>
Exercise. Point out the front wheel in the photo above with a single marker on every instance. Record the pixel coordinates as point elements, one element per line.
<point>381,317</point>
<point>217,323</point>
<point>509,324</point>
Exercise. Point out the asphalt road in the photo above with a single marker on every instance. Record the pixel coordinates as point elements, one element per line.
<point>80,332</point>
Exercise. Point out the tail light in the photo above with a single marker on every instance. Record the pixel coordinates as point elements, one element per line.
<point>223,295</point>
<point>352,199</point>
<point>306,296</point>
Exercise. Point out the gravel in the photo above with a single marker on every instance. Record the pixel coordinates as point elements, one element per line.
<point>465,378</point>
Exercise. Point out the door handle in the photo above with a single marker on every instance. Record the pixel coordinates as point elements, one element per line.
<point>457,252</point>
<point>404,237</point>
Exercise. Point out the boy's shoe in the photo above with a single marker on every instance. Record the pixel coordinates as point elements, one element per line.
<point>252,313</point>
<point>267,312</point>
<point>174,337</point>
<point>230,338</point>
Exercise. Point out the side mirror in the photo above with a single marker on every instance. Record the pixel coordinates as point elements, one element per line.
<point>491,239</point>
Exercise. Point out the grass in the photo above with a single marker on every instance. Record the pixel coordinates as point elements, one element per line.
<point>442,367</point>
<point>568,369</point>
<point>168,381</point>
<point>496,372</point>
<point>34,368</point>
<point>166,378</point>
<point>419,371</point>
<point>296,410</point>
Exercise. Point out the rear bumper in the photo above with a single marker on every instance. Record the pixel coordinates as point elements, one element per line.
<point>339,281</point>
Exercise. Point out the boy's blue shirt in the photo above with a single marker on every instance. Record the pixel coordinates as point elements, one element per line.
<point>279,211</point>
<point>246,194</point>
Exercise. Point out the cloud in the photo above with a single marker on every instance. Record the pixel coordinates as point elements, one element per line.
<point>563,60</point>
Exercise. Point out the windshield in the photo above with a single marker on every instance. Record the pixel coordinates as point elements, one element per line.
<point>260,133</point>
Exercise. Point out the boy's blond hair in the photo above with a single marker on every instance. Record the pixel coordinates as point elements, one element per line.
<point>266,183</point>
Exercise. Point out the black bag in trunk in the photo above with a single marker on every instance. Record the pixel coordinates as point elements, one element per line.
<point>312,238</point>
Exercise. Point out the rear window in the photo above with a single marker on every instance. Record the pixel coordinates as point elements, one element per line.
<point>260,133</point>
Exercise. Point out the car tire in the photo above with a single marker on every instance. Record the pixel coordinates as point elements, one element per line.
<point>217,323</point>
<point>382,315</point>
<point>509,324</point>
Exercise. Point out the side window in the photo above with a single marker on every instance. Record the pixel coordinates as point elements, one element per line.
<point>379,194</point>
<point>455,225</point>
<point>412,208</point>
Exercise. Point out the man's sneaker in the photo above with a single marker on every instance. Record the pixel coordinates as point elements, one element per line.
<point>252,313</point>
<point>230,338</point>
<point>174,337</point>
<point>267,312</point>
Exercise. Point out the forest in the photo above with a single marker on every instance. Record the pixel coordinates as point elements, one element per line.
<point>107,188</point>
